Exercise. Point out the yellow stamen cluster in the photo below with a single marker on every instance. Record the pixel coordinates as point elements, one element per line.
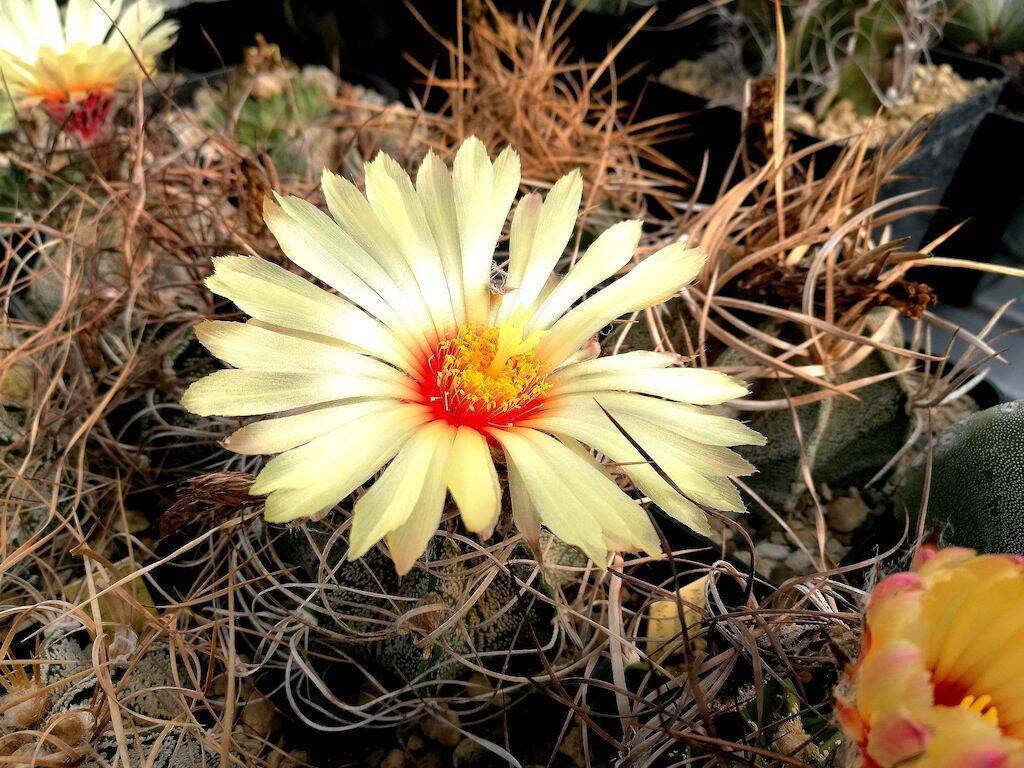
<point>490,369</point>
<point>982,706</point>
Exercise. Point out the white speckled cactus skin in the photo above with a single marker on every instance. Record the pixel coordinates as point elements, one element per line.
<point>977,490</point>
<point>70,713</point>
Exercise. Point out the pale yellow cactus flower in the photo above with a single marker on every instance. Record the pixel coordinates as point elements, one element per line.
<point>414,363</point>
<point>72,60</point>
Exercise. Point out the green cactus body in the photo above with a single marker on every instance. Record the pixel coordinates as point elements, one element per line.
<point>268,121</point>
<point>845,441</point>
<point>976,497</point>
<point>995,25</point>
<point>871,69</point>
<point>275,123</point>
<point>367,592</point>
<point>14,193</point>
<point>857,48</point>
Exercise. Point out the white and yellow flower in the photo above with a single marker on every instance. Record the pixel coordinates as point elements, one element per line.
<point>73,60</point>
<point>415,364</point>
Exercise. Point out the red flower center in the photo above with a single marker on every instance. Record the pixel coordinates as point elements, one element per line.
<point>955,694</point>
<point>483,377</point>
<point>86,119</point>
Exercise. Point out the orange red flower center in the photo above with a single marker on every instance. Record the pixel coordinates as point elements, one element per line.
<point>948,694</point>
<point>86,119</point>
<point>485,376</point>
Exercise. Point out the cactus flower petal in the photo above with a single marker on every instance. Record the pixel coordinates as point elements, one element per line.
<point>412,365</point>
<point>72,60</point>
<point>939,678</point>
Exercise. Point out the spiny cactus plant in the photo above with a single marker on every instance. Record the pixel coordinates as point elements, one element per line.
<point>976,496</point>
<point>792,733</point>
<point>995,26</point>
<point>266,121</point>
<point>12,191</point>
<point>863,51</point>
<point>62,699</point>
<point>23,194</point>
<point>268,105</point>
<point>844,441</point>
<point>352,612</point>
<point>170,434</point>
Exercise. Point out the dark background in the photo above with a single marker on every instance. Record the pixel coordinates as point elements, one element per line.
<point>369,39</point>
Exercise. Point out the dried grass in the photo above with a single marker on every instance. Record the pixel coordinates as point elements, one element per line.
<point>513,82</point>
<point>101,286</point>
<point>102,283</point>
<point>811,250</point>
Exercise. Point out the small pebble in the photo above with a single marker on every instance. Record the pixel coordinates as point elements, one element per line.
<point>470,754</point>
<point>931,89</point>
<point>772,551</point>
<point>294,759</point>
<point>798,562</point>
<point>415,743</point>
<point>846,514</point>
<point>443,731</point>
<point>835,549</point>
<point>780,573</point>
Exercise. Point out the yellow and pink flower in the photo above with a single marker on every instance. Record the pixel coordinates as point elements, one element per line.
<point>940,678</point>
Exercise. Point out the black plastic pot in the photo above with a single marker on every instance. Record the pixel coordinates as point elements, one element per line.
<point>1013,235</point>
<point>931,168</point>
<point>935,163</point>
<point>987,197</point>
<point>710,133</point>
<point>652,49</point>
